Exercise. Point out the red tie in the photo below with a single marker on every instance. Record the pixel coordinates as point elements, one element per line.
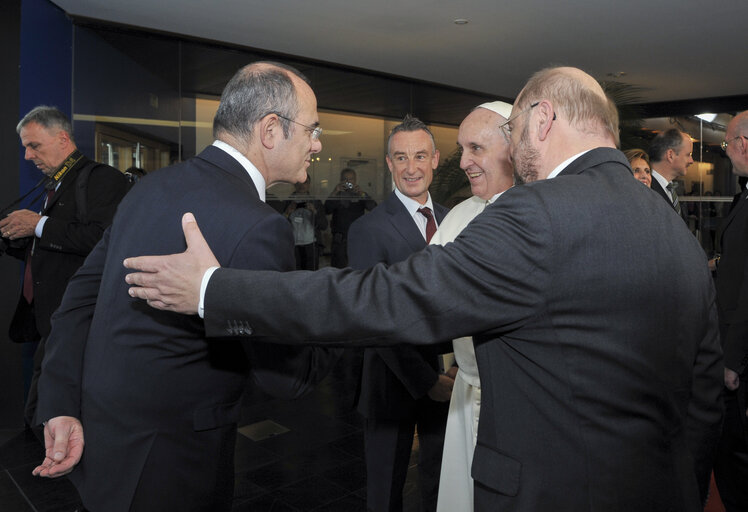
<point>430,222</point>
<point>28,279</point>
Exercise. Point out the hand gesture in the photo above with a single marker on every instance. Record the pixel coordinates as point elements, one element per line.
<point>173,282</point>
<point>63,447</point>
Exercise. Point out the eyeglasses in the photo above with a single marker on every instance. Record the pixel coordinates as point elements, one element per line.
<point>506,129</point>
<point>316,131</point>
<point>726,142</point>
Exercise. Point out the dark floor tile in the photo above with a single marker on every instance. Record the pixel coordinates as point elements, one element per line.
<point>350,476</point>
<point>23,448</point>
<point>46,495</point>
<point>249,455</point>
<point>348,503</point>
<point>267,503</point>
<point>352,444</point>
<point>311,492</point>
<point>6,434</point>
<point>11,499</point>
<point>246,489</point>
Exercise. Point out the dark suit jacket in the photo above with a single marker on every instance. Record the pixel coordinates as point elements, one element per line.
<point>66,240</point>
<point>392,378</point>
<point>732,285</point>
<point>592,400</point>
<point>158,402</point>
<point>663,193</point>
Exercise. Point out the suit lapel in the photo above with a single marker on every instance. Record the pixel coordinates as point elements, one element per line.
<point>661,191</point>
<point>228,164</point>
<point>403,223</point>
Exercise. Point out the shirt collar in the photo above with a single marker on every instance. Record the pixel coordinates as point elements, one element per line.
<point>660,179</point>
<point>254,174</point>
<point>494,198</point>
<point>563,165</point>
<point>412,205</point>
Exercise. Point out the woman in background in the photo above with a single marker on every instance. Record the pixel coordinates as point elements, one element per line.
<point>639,162</point>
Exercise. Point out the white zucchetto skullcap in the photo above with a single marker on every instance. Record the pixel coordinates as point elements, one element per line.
<point>500,107</point>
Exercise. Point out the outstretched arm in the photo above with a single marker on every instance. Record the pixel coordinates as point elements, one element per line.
<point>63,443</point>
<point>173,282</point>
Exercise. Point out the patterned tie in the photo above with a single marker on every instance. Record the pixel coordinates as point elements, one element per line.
<point>674,194</point>
<point>430,222</point>
<point>28,278</point>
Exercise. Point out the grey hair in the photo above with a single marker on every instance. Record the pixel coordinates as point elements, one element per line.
<point>669,139</point>
<point>411,124</point>
<point>255,91</point>
<point>51,118</point>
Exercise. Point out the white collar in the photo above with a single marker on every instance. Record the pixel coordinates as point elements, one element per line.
<point>412,205</point>
<point>563,165</point>
<point>254,174</point>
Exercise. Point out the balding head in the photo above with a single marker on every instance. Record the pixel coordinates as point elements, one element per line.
<point>577,97</point>
<point>736,137</point>
<point>560,113</point>
<point>255,91</point>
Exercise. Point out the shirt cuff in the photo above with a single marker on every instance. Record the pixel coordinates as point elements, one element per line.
<point>40,227</point>
<point>203,287</point>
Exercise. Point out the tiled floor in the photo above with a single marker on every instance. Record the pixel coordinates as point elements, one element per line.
<point>317,465</point>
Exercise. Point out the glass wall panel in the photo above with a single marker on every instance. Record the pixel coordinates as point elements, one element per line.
<point>709,186</point>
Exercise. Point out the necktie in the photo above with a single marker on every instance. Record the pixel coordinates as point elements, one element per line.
<point>430,222</point>
<point>28,278</point>
<point>676,203</point>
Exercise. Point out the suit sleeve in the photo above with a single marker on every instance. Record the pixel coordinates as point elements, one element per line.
<point>282,371</point>
<point>105,189</point>
<point>421,300</point>
<point>62,367</point>
<point>408,365</point>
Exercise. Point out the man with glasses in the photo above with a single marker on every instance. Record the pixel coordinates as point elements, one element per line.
<point>590,398</point>
<point>157,402</point>
<point>731,464</point>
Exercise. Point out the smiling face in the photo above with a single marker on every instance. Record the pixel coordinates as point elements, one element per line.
<point>412,160</point>
<point>46,147</point>
<point>641,170</point>
<point>485,153</point>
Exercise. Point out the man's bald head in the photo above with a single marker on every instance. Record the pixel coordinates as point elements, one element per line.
<point>576,96</point>
<point>255,91</point>
<point>736,137</point>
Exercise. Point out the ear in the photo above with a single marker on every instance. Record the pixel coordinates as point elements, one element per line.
<point>670,155</point>
<point>269,130</point>
<point>64,138</point>
<point>546,116</point>
<point>435,159</point>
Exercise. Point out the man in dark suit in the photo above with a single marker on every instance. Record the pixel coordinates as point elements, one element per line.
<point>55,242</point>
<point>159,403</point>
<point>401,387</point>
<point>591,399</point>
<point>731,464</point>
<point>670,155</point>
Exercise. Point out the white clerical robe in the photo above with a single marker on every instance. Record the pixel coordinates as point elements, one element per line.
<point>455,483</point>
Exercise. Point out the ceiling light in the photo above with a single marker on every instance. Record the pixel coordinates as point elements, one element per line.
<point>707,117</point>
<point>461,21</point>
